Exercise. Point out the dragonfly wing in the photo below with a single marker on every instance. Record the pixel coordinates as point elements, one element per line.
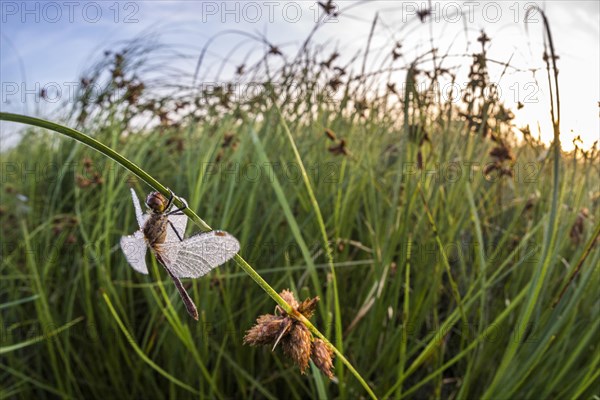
<point>141,218</point>
<point>198,255</point>
<point>178,222</point>
<point>134,248</point>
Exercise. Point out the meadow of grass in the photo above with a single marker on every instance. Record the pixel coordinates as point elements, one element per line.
<point>448,255</point>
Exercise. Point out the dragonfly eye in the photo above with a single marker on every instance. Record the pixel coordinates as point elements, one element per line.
<point>156,202</point>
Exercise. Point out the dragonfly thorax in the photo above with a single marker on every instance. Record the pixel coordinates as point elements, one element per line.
<point>155,229</point>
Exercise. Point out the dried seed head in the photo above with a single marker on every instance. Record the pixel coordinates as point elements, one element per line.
<point>297,345</point>
<point>505,171</point>
<point>530,203</point>
<point>87,163</point>
<point>308,306</point>
<point>98,179</point>
<point>267,330</point>
<point>227,139</point>
<point>335,83</point>
<point>82,182</point>
<point>330,134</point>
<point>491,167</point>
<point>483,38</point>
<point>502,153</point>
<point>322,356</point>
<point>578,228</point>
<point>339,149</point>
<point>295,338</point>
<point>289,298</point>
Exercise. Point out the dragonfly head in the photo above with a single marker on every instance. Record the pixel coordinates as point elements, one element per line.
<point>157,202</point>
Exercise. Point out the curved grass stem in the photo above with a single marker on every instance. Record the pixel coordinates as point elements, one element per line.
<point>143,175</point>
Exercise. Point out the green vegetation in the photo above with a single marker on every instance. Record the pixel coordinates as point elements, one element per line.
<point>428,232</point>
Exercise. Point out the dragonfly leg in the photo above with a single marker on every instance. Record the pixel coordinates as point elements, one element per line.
<point>171,196</point>
<point>175,230</point>
<point>177,211</point>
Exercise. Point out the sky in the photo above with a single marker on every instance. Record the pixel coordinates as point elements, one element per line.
<point>50,44</point>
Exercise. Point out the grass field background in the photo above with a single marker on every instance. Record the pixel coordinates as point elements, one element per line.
<point>449,256</point>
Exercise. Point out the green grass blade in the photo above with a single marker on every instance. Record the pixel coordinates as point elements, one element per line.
<point>141,353</point>
<point>17,346</point>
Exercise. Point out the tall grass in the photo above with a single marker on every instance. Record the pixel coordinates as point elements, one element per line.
<point>437,261</point>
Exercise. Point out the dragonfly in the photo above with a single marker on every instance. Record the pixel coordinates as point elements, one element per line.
<point>162,231</point>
